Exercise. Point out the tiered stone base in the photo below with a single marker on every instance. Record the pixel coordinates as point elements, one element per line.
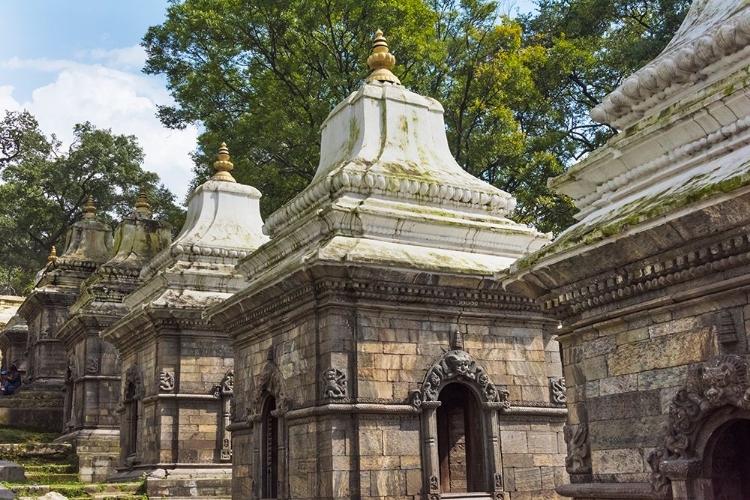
<point>182,483</point>
<point>33,407</point>
<point>98,452</point>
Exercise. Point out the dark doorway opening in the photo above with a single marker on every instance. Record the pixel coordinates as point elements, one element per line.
<point>460,450</point>
<point>730,465</point>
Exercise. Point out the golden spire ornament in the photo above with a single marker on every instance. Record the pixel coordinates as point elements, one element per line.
<point>142,206</point>
<point>223,165</point>
<point>381,61</point>
<point>52,256</point>
<point>89,209</point>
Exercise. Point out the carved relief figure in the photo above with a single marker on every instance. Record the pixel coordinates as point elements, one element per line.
<point>92,365</point>
<point>557,390</point>
<point>334,384</point>
<point>166,381</point>
<point>578,460</point>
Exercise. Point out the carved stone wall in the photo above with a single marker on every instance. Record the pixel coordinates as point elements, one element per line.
<point>357,388</point>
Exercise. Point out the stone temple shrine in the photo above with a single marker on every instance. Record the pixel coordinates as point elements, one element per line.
<point>390,333</point>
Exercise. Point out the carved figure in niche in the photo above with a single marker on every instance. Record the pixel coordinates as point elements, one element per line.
<point>415,399</point>
<point>72,367</point>
<point>92,365</point>
<point>166,381</point>
<point>434,484</point>
<point>227,383</point>
<point>225,387</point>
<point>133,380</point>
<point>721,381</point>
<point>334,384</point>
<point>578,460</point>
<point>557,390</point>
<point>430,388</point>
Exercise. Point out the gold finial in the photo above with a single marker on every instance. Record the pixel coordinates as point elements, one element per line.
<point>52,256</point>
<point>381,62</point>
<point>142,206</point>
<point>89,209</point>
<point>223,165</point>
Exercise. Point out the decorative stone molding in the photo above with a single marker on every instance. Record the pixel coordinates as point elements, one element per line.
<point>458,365</point>
<point>618,187</point>
<point>491,200</point>
<point>166,381</point>
<point>643,278</point>
<point>557,391</point>
<point>719,382</point>
<point>681,64</point>
<point>413,293</point>
<point>271,381</point>
<point>334,384</point>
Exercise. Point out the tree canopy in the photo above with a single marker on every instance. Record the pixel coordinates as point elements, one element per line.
<point>263,76</point>
<point>44,187</point>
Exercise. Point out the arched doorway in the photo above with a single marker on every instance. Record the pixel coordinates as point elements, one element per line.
<point>460,441</point>
<point>730,461</point>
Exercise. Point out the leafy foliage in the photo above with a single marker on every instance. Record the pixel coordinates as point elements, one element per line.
<point>45,186</point>
<point>264,75</point>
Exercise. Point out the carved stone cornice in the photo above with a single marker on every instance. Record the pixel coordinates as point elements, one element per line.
<point>301,289</point>
<point>648,276</point>
<point>80,325</point>
<point>43,297</point>
<point>150,322</point>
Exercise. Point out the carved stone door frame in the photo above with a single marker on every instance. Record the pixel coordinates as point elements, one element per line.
<point>458,366</point>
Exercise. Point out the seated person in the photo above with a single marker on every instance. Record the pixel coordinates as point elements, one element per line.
<point>12,381</point>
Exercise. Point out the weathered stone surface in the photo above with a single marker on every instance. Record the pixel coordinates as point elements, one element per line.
<point>661,352</point>
<point>620,461</point>
<point>11,472</point>
<point>624,405</point>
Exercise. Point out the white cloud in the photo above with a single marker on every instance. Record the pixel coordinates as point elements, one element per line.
<point>109,95</point>
<point>6,99</point>
<point>129,58</point>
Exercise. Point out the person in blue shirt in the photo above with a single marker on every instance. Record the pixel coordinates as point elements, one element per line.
<point>11,382</point>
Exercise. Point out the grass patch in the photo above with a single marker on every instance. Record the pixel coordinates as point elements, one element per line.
<point>19,435</point>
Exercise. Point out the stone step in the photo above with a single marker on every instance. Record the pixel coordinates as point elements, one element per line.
<point>47,452</point>
<point>37,490</point>
<point>64,468</point>
<point>113,488</point>
<point>51,477</point>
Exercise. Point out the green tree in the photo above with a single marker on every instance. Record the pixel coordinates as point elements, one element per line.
<point>592,46</point>
<point>263,76</point>
<point>45,186</point>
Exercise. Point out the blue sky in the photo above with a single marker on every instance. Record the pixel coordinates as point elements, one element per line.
<point>56,29</point>
<point>69,61</point>
<point>80,60</point>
